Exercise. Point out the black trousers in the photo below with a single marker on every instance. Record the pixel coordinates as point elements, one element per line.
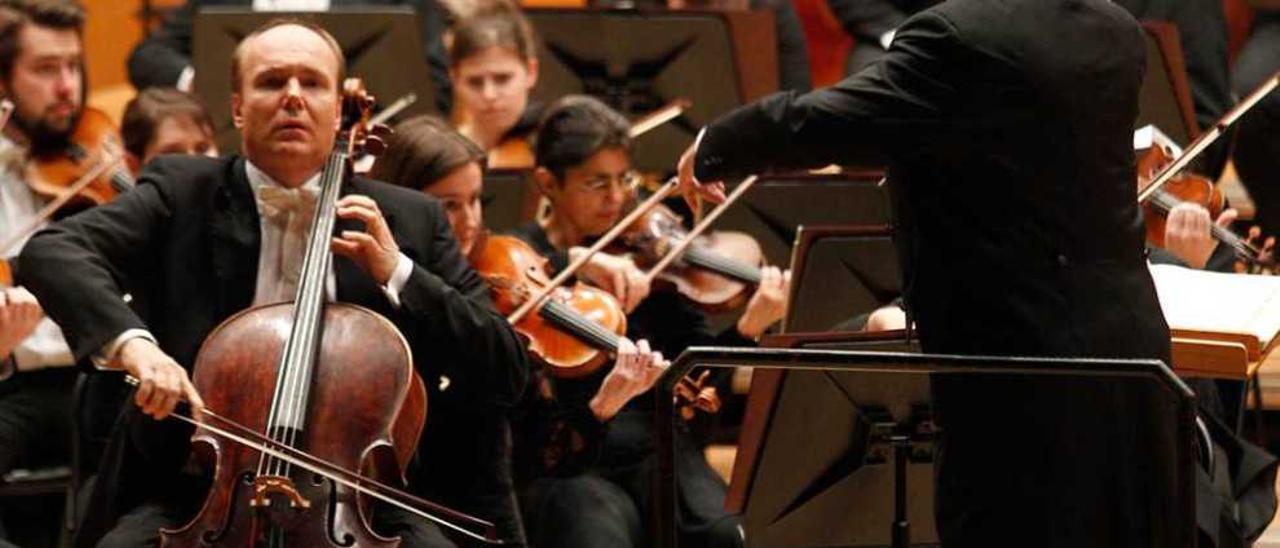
<point>610,506</point>
<point>35,418</point>
<point>1257,152</point>
<point>141,527</point>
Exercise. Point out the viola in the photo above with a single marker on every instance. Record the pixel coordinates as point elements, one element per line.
<point>717,271</point>
<point>283,375</point>
<point>574,331</point>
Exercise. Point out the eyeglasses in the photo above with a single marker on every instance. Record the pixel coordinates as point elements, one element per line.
<point>625,183</point>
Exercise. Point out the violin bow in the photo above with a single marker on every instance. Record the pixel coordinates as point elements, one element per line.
<point>676,251</point>
<point>360,483</point>
<point>49,209</point>
<point>664,114</point>
<point>1208,137</point>
<point>618,228</point>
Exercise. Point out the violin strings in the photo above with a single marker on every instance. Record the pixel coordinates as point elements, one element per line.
<point>580,326</point>
<point>722,265</point>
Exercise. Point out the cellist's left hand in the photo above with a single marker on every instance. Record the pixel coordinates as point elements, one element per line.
<point>375,249</point>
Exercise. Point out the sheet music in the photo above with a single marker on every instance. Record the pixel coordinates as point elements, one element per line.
<point>1219,302</point>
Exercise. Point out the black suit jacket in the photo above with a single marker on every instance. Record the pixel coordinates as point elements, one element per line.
<point>1007,128</point>
<point>187,238</point>
<point>158,60</point>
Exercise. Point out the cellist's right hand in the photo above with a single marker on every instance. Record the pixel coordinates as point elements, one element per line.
<point>162,383</point>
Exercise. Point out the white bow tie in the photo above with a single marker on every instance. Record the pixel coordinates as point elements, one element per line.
<point>291,210</point>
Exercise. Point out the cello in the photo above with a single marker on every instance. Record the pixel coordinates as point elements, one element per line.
<point>281,375</point>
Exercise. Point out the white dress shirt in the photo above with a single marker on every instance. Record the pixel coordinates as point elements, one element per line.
<point>272,285</point>
<point>18,208</point>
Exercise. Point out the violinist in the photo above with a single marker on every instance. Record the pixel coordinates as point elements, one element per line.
<point>165,121</point>
<point>424,153</point>
<point>1007,131</point>
<point>41,62</point>
<point>494,65</point>
<point>585,477</point>
<point>215,236</point>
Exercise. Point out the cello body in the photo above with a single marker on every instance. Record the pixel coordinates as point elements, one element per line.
<point>366,406</point>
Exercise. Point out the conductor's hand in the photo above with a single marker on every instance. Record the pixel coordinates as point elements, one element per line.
<point>19,316</point>
<point>690,186</point>
<point>162,383</point>
<point>374,249</point>
<point>634,371</point>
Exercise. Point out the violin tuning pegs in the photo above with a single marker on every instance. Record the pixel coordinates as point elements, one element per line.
<point>381,131</point>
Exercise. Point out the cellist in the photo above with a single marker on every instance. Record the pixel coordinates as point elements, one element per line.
<point>218,235</point>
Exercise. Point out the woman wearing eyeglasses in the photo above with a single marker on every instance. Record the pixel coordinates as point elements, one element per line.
<point>598,495</point>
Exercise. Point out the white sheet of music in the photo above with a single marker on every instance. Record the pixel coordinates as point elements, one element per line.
<point>1219,302</point>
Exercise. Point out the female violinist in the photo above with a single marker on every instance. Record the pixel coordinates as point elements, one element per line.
<point>584,168</point>
<point>425,154</point>
<point>493,65</point>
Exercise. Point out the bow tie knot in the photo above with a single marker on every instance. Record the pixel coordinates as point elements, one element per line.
<point>281,204</point>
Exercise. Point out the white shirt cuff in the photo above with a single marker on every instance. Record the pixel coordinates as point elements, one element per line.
<point>886,39</point>
<point>399,277</point>
<point>102,358</point>
<point>186,79</point>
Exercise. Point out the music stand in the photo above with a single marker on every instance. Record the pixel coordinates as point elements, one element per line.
<point>819,451</point>
<point>382,45</point>
<point>510,199</point>
<point>774,209</point>
<point>1165,96</point>
<point>838,272</point>
<point>639,60</point>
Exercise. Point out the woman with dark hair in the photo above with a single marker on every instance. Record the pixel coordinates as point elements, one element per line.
<point>588,482</point>
<point>426,154</point>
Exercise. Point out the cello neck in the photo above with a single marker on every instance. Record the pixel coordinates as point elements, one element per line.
<point>289,403</point>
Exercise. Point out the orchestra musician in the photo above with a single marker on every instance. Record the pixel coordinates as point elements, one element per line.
<point>41,72</point>
<point>425,153</point>
<point>165,121</point>
<point>494,65</point>
<point>213,236</point>
<point>584,460</point>
<point>1009,153</point>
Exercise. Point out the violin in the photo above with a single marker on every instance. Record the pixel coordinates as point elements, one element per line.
<point>717,271</point>
<point>86,173</point>
<point>1197,189</point>
<point>280,372</point>
<point>93,141</point>
<point>574,331</point>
